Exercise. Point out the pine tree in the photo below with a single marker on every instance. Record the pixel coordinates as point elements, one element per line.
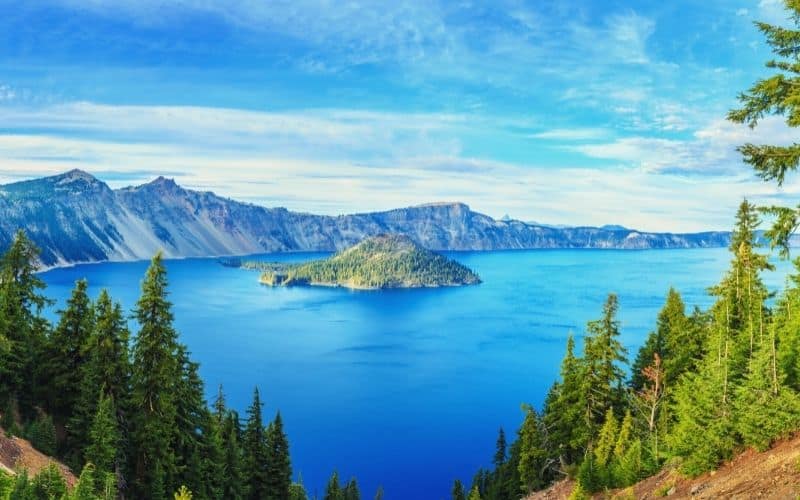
<point>776,95</point>
<point>190,435</point>
<point>42,434</point>
<point>333,491</point>
<point>297,491</point>
<point>235,484</point>
<point>564,412</point>
<point>765,408</point>
<point>256,452</point>
<point>673,340</point>
<point>500,449</point>
<point>474,494</point>
<point>351,491</point>
<point>22,329</point>
<point>703,432</point>
<point>607,439</point>
<point>602,355</point>
<point>533,452</point>
<point>787,329</point>
<point>107,366</point>
<point>49,483</point>
<point>279,467</point>
<point>458,493</point>
<point>66,359</point>
<point>104,438</point>
<point>85,488</point>
<point>155,372</point>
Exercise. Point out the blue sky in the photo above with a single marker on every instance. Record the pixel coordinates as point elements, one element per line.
<point>572,112</point>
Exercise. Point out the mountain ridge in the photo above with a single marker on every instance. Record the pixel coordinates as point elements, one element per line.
<point>76,218</point>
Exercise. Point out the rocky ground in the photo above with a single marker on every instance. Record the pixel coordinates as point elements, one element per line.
<point>773,474</point>
<point>17,453</point>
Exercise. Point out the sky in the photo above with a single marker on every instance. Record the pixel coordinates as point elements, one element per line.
<point>580,112</point>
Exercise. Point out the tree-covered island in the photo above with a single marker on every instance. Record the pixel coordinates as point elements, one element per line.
<point>379,262</point>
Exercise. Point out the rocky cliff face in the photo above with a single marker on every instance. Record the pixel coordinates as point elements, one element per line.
<point>74,218</point>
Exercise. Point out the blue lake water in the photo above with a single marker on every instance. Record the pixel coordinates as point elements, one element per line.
<point>405,388</point>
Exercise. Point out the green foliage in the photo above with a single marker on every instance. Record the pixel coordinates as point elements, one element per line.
<point>107,367</point>
<point>22,330</point>
<point>458,493</point>
<point>606,440</point>
<point>66,357</point>
<point>603,354</point>
<point>333,491</point>
<point>256,452</point>
<point>703,434</point>
<point>279,468</point>
<point>565,409</point>
<point>183,493</point>
<point>49,483</point>
<point>379,262</point>
<point>765,408</point>
<point>474,494</point>
<point>350,491</point>
<point>42,434</point>
<point>533,454</point>
<point>153,380</point>
<point>104,438</point>
<point>136,416</point>
<point>297,491</point>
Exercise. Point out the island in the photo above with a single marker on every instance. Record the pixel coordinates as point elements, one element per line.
<point>378,262</point>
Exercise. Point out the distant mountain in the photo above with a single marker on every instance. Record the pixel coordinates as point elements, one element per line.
<point>385,261</point>
<point>75,217</point>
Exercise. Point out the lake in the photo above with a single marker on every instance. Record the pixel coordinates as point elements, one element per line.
<point>405,388</point>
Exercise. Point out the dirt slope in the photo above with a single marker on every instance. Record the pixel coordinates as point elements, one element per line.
<point>17,453</point>
<point>773,474</point>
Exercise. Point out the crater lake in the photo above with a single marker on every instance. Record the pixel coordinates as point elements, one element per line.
<point>405,388</point>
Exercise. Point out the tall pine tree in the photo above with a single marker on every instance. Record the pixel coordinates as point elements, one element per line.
<point>154,380</point>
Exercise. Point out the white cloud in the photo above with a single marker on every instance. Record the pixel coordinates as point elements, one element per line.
<point>572,134</point>
<point>340,161</point>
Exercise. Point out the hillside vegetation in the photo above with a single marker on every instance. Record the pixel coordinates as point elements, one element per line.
<point>387,261</point>
<point>128,411</point>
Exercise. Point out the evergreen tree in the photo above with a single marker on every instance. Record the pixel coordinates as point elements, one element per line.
<point>297,491</point>
<point>675,340</point>
<point>49,483</point>
<point>776,95</point>
<point>85,488</point>
<point>333,491</point>
<point>351,491</point>
<point>458,492</point>
<point>765,408</point>
<point>190,433</point>
<point>107,366</point>
<point>279,468</point>
<point>256,452</point>
<point>104,438</point>
<point>533,452</point>
<point>66,359</point>
<point>500,449</point>
<point>703,432</point>
<point>42,434</point>
<point>213,466</point>
<point>606,441</point>
<point>155,372</point>
<point>564,412</point>
<point>474,494</point>
<point>602,355</point>
<point>235,484</point>
<point>22,329</point>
